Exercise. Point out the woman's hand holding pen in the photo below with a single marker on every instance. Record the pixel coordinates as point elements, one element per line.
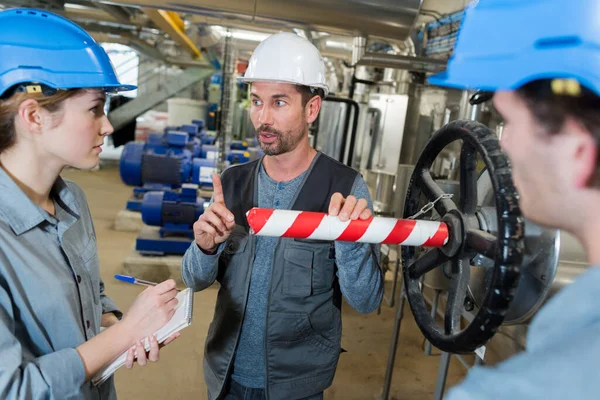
<point>150,311</point>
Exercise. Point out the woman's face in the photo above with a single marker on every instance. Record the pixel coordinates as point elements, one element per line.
<point>76,137</point>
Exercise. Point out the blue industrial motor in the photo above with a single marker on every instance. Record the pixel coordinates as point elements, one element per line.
<point>199,132</point>
<point>174,214</point>
<point>238,156</point>
<point>155,165</point>
<point>194,142</point>
<point>200,123</point>
<point>238,145</point>
<point>232,155</point>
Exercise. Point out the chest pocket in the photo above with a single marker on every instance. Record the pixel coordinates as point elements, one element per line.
<point>235,249</point>
<point>236,244</point>
<point>308,269</point>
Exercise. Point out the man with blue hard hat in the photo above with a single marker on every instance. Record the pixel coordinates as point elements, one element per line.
<point>542,60</point>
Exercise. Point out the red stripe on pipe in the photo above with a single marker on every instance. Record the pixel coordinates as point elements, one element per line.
<point>439,238</point>
<point>258,217</point>
<point>304,225</point>
<point>355,230</point>
<point>401,231</point>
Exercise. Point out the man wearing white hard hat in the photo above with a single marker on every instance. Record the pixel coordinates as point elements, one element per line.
<point>277,327</point>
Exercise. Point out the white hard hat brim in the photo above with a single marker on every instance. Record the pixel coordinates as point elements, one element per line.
<point>316,85</point>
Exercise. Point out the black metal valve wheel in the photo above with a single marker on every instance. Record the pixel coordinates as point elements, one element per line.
<point>466,239</point>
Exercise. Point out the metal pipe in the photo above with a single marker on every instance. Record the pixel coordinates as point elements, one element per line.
<point>442,375</point>
<point>464,108</point>
<point>376,135</point>
<point>417,64</point>
<point>391,300</point>
<point>354,105</point>
<point>447,116</point>
<point>387,383</point>
<point>359,46</point>
<point>225,126</point>
<point>364,81</point>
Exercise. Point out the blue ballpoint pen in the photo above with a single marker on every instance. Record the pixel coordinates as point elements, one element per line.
<point>131,279</point>
<point>136,281</point>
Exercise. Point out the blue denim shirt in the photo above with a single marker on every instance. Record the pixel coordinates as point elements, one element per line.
<point>561,357</point>
<point>51,295</point>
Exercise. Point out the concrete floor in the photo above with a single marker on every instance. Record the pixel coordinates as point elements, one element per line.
<point>178,375</point>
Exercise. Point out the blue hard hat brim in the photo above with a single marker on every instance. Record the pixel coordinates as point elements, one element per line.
<point>439,79</point>
<point>510,73</point>
<point>84,84</point>
<point>444,79</point>
<point>120,88</point>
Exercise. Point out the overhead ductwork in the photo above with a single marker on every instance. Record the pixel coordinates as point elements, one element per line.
<point>381,18</point>
<point>418,64</point>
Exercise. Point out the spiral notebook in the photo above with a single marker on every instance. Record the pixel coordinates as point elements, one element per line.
<point>181,319</point>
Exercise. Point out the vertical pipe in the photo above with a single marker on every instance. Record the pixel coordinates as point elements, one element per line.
<point>440,385</point>
<point>447,116</point>
<point>226,120</point>
<point>393,346</point>
<point>499,130</point>
<point>359,48</point>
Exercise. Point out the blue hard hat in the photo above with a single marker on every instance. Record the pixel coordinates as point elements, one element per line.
<point>504,44</point>
<point>41,47</point>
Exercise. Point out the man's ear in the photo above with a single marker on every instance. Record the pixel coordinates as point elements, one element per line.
<point>583,153</point>
<point>29,115</point>
<point>312,109</point>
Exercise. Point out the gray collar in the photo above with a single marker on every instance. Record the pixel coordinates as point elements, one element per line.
<point>21,213</point>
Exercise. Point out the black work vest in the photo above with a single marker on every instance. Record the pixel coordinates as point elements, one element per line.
<point>304,327</point>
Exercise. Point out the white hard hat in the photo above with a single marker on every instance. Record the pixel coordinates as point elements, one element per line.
<point>289,58</point>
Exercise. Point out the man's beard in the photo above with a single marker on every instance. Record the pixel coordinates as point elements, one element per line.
<point>284,142</point>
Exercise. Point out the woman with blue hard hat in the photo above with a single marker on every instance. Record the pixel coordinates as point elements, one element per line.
<point>53,83</point>
<point>542,60</point>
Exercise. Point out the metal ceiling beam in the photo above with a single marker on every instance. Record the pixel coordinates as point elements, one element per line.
<point>89,14</point>
<point>109,29</point>
<point>126,39</point>
<point>173,25</point>
<point>58,4</point>
<point>116,11</point>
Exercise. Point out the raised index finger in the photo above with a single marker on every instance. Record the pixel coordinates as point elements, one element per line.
<point>217,190</point>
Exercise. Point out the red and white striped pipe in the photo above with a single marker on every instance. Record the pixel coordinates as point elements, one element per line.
<point>320,226</point>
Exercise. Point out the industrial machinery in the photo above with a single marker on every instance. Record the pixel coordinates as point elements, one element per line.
<point>173,214</point>
<point>156,166</point>
<point>166,161</point>
<point>497,269</point>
